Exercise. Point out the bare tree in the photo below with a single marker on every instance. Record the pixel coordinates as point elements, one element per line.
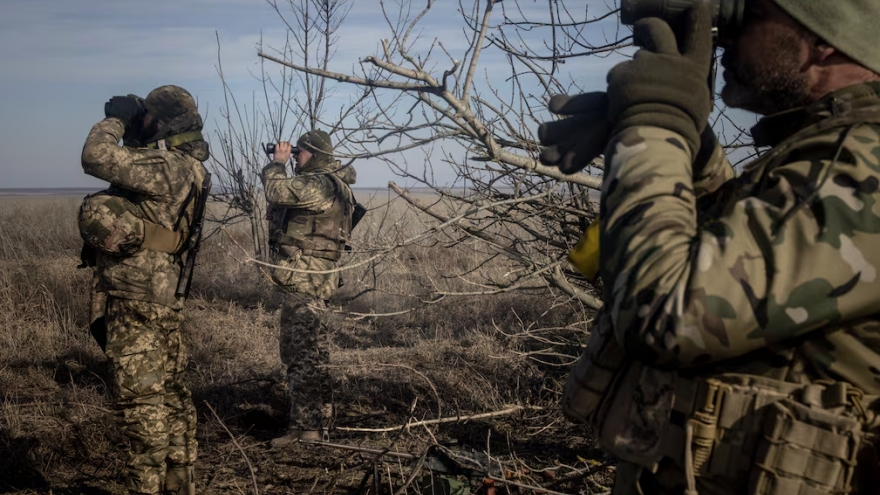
<point>458,116</point>
<point>480,105</point>
<point>291,102</point>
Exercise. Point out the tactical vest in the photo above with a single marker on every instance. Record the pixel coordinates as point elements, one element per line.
<point>322,234</point>
<point>741,433</point>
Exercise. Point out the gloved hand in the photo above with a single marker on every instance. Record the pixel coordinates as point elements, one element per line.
<point>129,109</point>
<point>665,84</point>
<point>572,143</point>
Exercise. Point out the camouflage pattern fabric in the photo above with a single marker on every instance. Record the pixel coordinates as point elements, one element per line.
<point>159,182</point>
<point>773,274</point>
<point>304,350</point>
<point>155,408</point>
<point>308,192</point>
<point>111,223</point>
<point>304,316</point>
<point>175,110</point>
<point>142,313</point>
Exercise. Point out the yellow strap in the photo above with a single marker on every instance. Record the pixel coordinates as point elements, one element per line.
<point>159,238</point>
<point>585,255</point>
<point>176,140</point>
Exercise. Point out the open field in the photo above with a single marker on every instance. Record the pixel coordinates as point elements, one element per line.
<point>457,357</point>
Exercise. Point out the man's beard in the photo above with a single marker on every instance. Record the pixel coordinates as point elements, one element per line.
<point>776,85</point>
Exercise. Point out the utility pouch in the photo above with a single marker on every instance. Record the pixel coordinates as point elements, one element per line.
<point>809,446</point>
<point>594,372</point>
<point>631,422</point>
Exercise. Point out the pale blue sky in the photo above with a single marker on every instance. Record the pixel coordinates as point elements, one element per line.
<point>62,59</point>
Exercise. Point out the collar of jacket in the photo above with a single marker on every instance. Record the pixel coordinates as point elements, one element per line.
<point>773,129</point>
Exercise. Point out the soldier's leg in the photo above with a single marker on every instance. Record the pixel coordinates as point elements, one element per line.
<point>181,420</point>
<point>304,351</point>
<point>137,348</point>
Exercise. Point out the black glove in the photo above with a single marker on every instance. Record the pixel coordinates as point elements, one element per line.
<point>129,109</point>
<point>573,142</point>
<point>666,83</point>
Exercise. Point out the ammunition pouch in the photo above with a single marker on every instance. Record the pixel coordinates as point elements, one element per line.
<point>755,435</point>
<point>593,374</point>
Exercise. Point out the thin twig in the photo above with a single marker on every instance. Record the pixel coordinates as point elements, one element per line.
<point>536,489</point>
<point>415,472</point>
<point>235,442</point>
<point>456,419</point>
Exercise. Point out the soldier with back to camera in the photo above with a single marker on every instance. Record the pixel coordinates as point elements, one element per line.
<point>312,214</point>
<point>136,235</point>
<point>738,350</point>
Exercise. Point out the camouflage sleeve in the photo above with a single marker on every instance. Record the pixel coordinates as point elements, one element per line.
<point>140,170</point>
<point>310,192</point>
<point>794,256</point>
<point>713,174</point>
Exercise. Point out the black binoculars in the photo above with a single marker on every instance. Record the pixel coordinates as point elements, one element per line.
<point>727,15</point>
<point>269,148</point>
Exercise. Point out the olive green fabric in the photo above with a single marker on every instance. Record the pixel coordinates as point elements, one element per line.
<point>848,25</point>
<point>666,83</point>
<point>319,144</point>
<point>176,111</point>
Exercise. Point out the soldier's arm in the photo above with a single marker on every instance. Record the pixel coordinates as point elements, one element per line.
<point>308,192</point>
<point>772,268</point>
<point>716,169</point>
<point>139,170</point>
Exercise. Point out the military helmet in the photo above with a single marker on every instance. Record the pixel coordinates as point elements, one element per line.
<point>848,25</point>
<point>167,103</point>
<point>316,141</point>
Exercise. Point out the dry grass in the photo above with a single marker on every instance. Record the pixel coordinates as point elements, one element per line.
<point>458,356</point>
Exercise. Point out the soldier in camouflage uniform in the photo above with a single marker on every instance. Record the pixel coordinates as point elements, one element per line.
<point>310,223</point>
<point>739,347</point>
<point>134,232</point>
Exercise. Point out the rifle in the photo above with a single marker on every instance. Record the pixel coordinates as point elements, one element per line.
<point>195,240</point>
<point>474,466</point>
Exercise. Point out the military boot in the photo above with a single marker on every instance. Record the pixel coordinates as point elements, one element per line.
<point>180,480</point>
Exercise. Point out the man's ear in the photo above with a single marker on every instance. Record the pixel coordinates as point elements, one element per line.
<point>821,52</point>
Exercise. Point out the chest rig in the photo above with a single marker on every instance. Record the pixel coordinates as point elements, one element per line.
<point>319,233</point>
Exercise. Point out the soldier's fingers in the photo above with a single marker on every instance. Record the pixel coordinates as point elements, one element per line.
<point>697,39</point>
<point>655,35</point>
<point>558,131</point>
<point>596,101</point>
<point>583,151</point>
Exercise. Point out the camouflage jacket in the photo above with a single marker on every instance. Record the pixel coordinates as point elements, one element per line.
<point>160,183</point>
<point>315,192</point>
<point>771,274</point>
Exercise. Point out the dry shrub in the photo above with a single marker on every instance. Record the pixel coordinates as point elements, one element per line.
<point>450,356</point>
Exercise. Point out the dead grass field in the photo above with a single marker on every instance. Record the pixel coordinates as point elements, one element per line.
<point>457,357</point>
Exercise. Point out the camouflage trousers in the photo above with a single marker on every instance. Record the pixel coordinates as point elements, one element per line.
<point>304,343</point>
<point>155,408</point>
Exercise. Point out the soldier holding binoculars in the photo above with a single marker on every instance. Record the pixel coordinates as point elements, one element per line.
<point>738,350</point>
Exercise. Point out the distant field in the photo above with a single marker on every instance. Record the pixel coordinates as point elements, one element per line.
<point>413,360</point>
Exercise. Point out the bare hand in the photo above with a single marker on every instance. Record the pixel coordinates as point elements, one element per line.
<point>282,152</point>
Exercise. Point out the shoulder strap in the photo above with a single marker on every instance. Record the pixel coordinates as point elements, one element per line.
<point>176,140</point>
